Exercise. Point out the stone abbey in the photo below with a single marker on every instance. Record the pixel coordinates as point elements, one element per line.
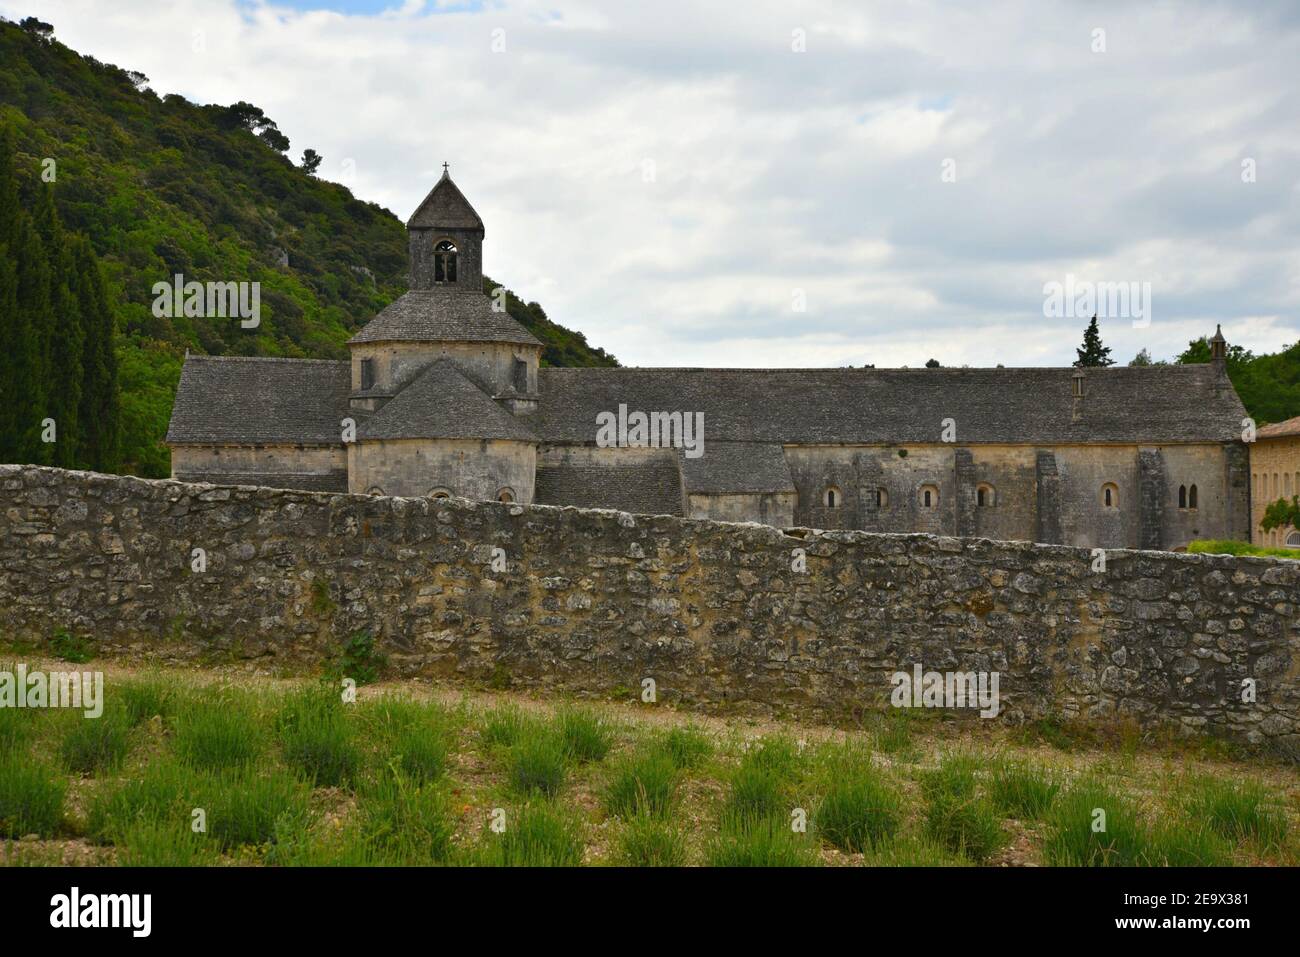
<point>445,396</point>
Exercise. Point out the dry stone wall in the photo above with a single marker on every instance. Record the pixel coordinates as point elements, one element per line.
<point>596,601</point>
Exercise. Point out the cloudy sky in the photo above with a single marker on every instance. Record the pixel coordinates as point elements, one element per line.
<point>795,184</point>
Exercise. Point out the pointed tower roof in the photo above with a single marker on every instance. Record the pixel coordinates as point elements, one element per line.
<point>446,207</point>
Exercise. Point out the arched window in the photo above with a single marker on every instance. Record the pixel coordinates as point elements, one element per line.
<point>374,490</point>
<point>831,498</point>
<point>882,498</point>
<point>929,497</point>
<point>1293,540</point>
<point>444,261</point>
<point>439,492</point>
<point>1110,495</point>
<point>1191,497</point>
<point>1182,496</point>
<point>506,495</point>
<point>985,497</point>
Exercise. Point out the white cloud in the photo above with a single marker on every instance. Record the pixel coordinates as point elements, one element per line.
<point>777,170</point>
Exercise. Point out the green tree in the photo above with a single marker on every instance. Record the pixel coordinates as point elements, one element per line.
<point>932,364</point>
<point>99,414</point>
<point>60,333</point>
<point>28,360</point>
<point>311,161</point>
<point>1092,353</point>
<point>1281,514</point>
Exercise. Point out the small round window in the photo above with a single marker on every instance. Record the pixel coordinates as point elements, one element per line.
<point>506,495</point>
<point>439,492</point>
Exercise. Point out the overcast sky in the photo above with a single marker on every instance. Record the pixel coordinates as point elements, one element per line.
<point>675,178</point>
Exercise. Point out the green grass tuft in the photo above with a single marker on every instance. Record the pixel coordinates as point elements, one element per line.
<point>503,726</point>
<point>644,784</point>
<point>537,835</point>
<point>647,841</point>
<point>90,745</point>
<point>687,746</point>
<point>248,807</point>
<point>536,763</point>
<point>157,794</point>
<point>586,736</point>
<point>1021,791</point>
<point>317,737</point>
<point>146,698</point>
<point>1238,810</point>
<point>860,809</point>
<point>1071,840</point>
<point>158,844</point>
<point>760,842</point>
<point>405,822</point>
<point>31,797</point>
<point>217,730</point>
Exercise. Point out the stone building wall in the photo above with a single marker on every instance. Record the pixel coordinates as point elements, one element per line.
<point>470,468</point>
<point>1022,502</point>
<point>1275,474</point>
<point>490,364</point>
<point>595,602</point>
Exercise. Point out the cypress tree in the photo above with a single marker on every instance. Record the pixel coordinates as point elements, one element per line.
<point>99,445</point>
<point>9,213</point>
<point>27,360</point>
<point>60,335</point>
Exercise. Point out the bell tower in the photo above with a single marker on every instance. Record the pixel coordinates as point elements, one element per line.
<point>446,241</point>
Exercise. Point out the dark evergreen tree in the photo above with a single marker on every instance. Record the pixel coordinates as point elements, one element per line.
<point>60,335</point>
<point>9,314</point>
<point>27,361</point>
<point>98,419</point>
<point>1092,353</point>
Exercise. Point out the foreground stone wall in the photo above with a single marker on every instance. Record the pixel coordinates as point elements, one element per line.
<point>593,601</point>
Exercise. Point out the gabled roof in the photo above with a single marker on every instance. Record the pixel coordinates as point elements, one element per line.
<point>1279,429</point>
<point>235,400</point>
<point>1153,404</point>
<point>442,404</point>
<point>445,207</point>
<point>736,468</point>
<point>431,315</point>
<point>651,488</point>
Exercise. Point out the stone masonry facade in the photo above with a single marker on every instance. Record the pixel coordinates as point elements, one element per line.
<point>594,602</point>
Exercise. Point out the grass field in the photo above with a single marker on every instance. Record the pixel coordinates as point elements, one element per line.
<point>195,768</point>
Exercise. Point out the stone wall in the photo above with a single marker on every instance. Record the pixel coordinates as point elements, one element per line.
<point>1275,474</point>
<point>596,602</point>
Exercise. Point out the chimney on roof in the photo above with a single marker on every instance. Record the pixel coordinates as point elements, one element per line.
<point>1076,413</point>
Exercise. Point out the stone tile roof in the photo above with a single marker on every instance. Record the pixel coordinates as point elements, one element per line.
<point>649,489</point>
<point>430,315</point>
<point>869,406</point>
<point>229,400</point>
<point>737,468</point>
<point>241,401</point>
<point>442,404</point>
<point>1279,429</point>
<point>445,206</point>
